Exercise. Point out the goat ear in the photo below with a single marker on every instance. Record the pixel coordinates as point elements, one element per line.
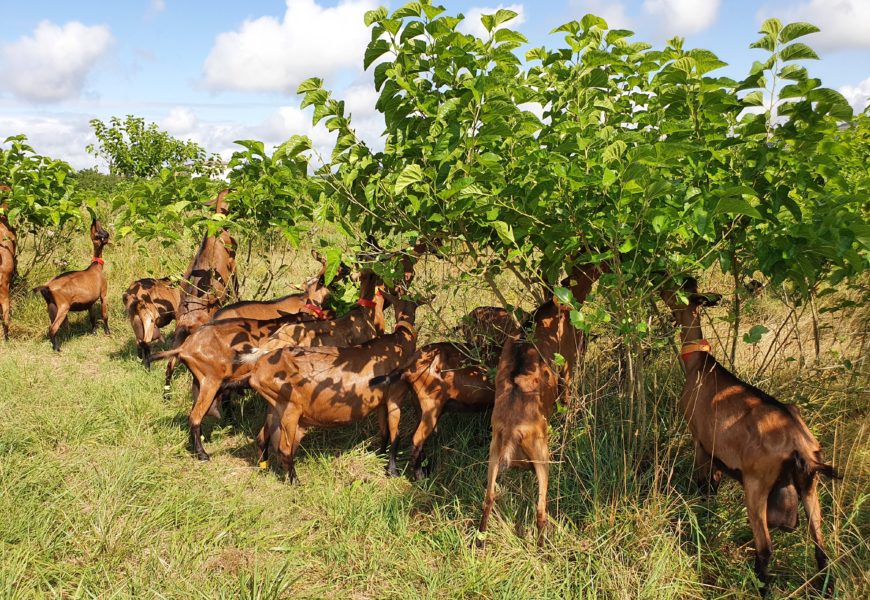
<point>316,255</point>
<point>387,295</point>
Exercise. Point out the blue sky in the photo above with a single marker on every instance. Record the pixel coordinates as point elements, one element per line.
<point>223,70</point>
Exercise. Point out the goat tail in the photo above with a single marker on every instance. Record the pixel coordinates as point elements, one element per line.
<point>504,461</point>
<point>398,374</point>
<point>251,357</point>
<point>810,464</point>
<point>256,354</point>
<point>827,470</point>
<point>166,354</point>
<point>388,379</point>
<point>46,293</point>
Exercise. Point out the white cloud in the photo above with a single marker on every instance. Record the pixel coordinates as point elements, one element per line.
<point>472,25</point>
<point>682,17</point>
<point>54,62</point>
<point>62,136</point>
<point>158,6</point>
<point>266,54</point>
<point>612,12</point>
<point>857,95</point>
<point>843,23</point>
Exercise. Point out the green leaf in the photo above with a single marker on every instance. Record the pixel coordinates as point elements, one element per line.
<point>507,35</point>
<point>373,16</point>
<point>374,51</point>
<point>755,98</point>
<point>736,206</point>
<point>505,232</point>
<point>309,85</point>
<point>792,31</point>
<point>563,296</point>
<point>333,261</point>
<point>771,27</point>
<point>589,21</point>
<point>797,51</point>
<point>755,334</point>
<point>558,359</point>
<point>503,15</point>
<point>409,175</point>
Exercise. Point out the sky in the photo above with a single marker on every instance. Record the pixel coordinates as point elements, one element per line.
<point>223,70</point>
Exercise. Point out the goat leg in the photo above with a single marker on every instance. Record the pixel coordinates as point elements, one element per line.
<point>495,449</point>
<point>104,309</point>
<point>823,581</point>
<point>57,321</point>
<point>707,475</point>
<point>756,492</point>
<point>288,442</point>
<point>383,429</point>
<point>539,456</point>
<point>428,421</point>
<point>207,390</point>
<point>393,417</point>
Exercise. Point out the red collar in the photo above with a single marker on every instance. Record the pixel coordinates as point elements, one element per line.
<point>316,310</point>
<point>98,260</point>
<point>365,303</point>
<point>692,347</point>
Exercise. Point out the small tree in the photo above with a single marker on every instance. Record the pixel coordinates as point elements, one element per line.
<point>134,148</point>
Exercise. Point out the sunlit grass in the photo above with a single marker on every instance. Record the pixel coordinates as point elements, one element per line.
<point>100,497</point>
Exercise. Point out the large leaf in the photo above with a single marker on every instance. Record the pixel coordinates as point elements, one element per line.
<point>792,31</point>
<point>797,51</point>
<point>409,175</point>
<point>736,206</point>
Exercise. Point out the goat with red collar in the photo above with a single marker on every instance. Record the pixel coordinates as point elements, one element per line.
<point>79,290</point>
<point>747,434</point>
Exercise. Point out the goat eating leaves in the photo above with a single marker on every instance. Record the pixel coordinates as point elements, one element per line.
<point>751,436</point>
<point>78,290</point>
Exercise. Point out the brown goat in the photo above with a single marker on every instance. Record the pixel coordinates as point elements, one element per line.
<point>78,290</point>
<point>329,386</point>
<point>207,283</point>
<point>315,294</point>
<point>150,304</point>
<point>218,353</point>
<point>740,430</point>
<point>526,387</point>
<point>453,376</point>
<point>8,258</point>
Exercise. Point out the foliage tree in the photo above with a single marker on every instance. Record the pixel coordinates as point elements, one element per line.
<point>42,201</point>
<point>134,148</point>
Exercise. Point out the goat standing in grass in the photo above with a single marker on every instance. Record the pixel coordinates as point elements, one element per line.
<point>329,387</point>
<point>453,376</point>
<point>8,257</point>
<point>150,304</point>
<point>207,283</point>
<point>527,385</point>
<point>751,436</point>
<point>79,290</point>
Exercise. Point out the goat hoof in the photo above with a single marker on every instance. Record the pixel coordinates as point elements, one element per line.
<point>203,456</point>
<point>480,542</point>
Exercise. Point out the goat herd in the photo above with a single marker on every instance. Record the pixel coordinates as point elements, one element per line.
<point>316,370</point>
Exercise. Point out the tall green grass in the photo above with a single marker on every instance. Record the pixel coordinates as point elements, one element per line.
<point>100,497</point>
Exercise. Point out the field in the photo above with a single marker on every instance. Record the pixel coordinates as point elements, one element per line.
<point>101,498</point>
